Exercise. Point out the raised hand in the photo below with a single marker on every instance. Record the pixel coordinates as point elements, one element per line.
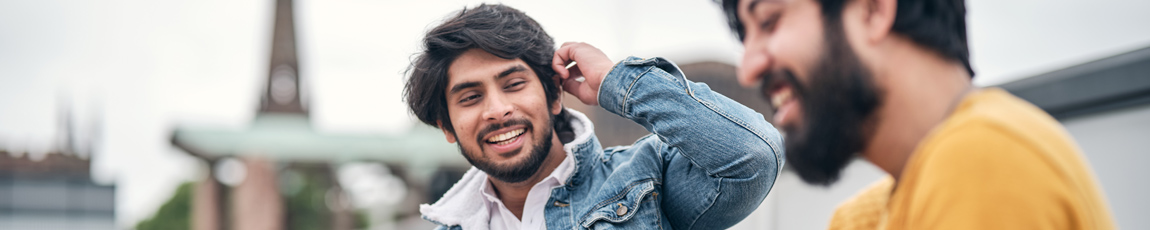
<point>583,79</point>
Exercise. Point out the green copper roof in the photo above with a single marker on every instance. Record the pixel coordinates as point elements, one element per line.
<point>291,137</point>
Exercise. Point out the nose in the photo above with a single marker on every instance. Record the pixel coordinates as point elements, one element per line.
<point>756,61</point>
<point>498,108</point>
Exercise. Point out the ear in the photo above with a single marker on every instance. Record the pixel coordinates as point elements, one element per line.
<point>446,133</point>
<point>557,105</point>
<point>880,18</point>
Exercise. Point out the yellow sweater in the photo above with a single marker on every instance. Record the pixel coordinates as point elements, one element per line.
<point>997,162</point>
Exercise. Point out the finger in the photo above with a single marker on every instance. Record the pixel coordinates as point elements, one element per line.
<point>574,72</point>
<point>569,44</point>
<point>561,59</point>
<point>559,65</point>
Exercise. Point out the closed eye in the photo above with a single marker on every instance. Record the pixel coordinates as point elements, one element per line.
<point>769,24</point>
<point>515,85</point>
<point>470,98</point>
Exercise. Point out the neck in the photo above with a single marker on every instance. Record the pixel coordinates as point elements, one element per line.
<point>920,90</point>
<point>514,195</point>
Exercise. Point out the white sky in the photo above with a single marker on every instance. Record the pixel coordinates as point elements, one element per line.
<point>133,70</point>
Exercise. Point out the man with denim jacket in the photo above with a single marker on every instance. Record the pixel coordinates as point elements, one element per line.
<point>491,79</point>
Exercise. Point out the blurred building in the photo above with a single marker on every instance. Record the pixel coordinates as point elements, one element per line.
<point>54,190</point>
<point>280,173</point>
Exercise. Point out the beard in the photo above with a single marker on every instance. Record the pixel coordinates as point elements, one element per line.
<point>838,108</point>
<point>511,172</point>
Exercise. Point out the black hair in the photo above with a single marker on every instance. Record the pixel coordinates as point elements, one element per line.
<point>500,30</point>
<point>938,25</point>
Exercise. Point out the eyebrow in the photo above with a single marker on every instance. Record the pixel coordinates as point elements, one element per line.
<point>462,86</point>
<point>750,5</point>
<point>756,2</point>
<point>509,71</point>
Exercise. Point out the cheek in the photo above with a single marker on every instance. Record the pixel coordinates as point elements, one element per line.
<point>539,104</point>
<point>464,123</point>
<point>856,36</point>
<point>532,104</point>
<point>799,40</point>
<point>530,99</point>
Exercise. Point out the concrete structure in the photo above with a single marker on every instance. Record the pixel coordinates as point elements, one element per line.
<point>52,193</point>
<point>54,190</point>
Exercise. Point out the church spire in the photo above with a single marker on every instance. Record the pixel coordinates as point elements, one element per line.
<point>282,93</point>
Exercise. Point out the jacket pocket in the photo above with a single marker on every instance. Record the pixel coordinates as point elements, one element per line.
<point>636,207</point>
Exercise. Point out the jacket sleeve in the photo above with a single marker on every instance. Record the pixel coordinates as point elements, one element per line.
<point>720,157</point>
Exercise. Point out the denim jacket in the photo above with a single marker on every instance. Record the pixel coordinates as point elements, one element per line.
<point>708,164</point>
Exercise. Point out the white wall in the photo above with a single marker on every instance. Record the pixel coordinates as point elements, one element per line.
<point>1115,144</point>
<point>793,204</point>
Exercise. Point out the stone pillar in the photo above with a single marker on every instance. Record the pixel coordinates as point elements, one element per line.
<point>256,202</point>
<point>207,202</point>
<point>342,216</point>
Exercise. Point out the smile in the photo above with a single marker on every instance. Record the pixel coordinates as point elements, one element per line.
<point>781,96</point>
<point>505,138</point>
<point>786,105</point>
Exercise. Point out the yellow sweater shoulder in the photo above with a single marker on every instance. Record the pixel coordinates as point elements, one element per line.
<point>998,163</point>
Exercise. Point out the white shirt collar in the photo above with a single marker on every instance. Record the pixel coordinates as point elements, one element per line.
<point>533,218</point>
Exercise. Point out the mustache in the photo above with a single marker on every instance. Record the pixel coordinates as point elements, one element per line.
<point>494,127</point>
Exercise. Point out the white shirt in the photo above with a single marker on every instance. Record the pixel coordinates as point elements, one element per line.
<point>503,219</point>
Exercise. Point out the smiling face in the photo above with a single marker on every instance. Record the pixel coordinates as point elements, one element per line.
<point>823,95</point>
<point>500,115</point>
<point>783,40</point>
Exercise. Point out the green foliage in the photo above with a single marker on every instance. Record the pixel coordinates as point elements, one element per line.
<point>175,214</point>
<point>361,220</point>
<point>306,208</point>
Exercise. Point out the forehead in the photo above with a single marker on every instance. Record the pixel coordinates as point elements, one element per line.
<point>479,65</point>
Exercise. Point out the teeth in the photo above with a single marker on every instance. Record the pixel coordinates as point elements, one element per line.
<point>505,138</point>
<point>780,97</point>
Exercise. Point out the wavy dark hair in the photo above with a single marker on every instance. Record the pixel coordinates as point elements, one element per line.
<point>500,30</point>
<point>938,25</point>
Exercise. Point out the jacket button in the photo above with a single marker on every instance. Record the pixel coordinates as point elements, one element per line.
<point>559,204</point>
<point>622,210</point>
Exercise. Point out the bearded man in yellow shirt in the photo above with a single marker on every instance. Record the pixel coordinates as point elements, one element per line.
<point>890,81</point>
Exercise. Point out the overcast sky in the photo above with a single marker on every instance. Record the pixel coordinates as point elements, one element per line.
<point>133,70</point>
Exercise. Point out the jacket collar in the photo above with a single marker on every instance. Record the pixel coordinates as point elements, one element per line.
<point>463,204</point>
